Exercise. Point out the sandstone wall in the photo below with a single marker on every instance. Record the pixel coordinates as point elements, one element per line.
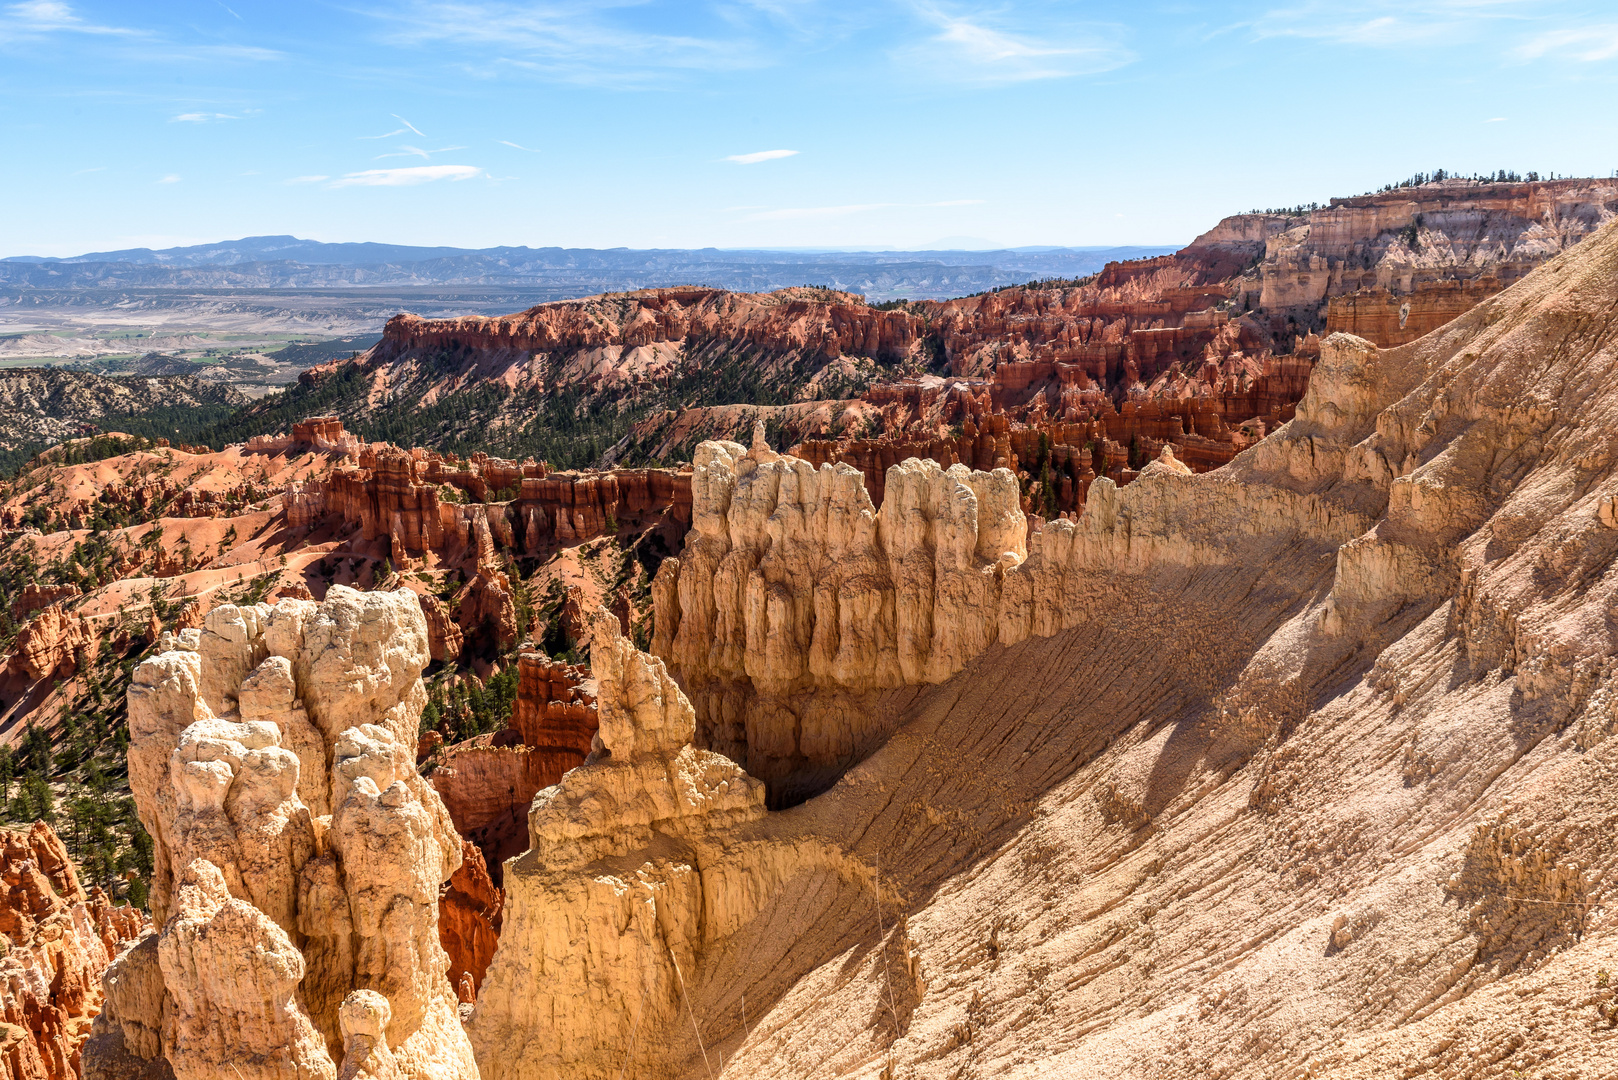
<point>298,854</point>
<point>59,939</point>
<point>1406,261</point>
<point>388,492</point>
<point>787,321</point>
<point>791,582</point>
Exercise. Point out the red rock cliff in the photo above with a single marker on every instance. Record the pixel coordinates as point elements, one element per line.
<point>61,940</point>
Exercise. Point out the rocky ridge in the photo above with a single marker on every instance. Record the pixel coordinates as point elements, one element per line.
<point>46,405</point>
<point>795,599</point>
<point>1302,767</point>
<point>1207,349</point>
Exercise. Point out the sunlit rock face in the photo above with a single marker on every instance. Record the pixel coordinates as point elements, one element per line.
<point>1302,766</point>
<point>298,855</point>
<point>796,603</point>
<point>610,908</point>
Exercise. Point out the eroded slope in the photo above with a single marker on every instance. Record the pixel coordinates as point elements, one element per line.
<point>1301,767</point>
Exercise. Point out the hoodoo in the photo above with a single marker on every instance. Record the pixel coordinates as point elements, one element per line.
<point>611,909</point>
<point>298,853</point>
<point>795,601</point>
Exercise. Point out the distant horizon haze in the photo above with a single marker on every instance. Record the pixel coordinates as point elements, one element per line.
<point>197,254</point>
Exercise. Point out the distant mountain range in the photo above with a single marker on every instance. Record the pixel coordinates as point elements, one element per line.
<point>281,262</point>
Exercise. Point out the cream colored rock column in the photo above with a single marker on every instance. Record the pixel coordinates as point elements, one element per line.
<point>604,914</point>
<point>298,853</point>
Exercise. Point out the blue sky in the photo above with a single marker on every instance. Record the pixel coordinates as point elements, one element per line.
<point>766,122</point>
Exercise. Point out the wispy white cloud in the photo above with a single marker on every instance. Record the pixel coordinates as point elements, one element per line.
<point>1495,120</point>
<point>514,146</point>
<point>35,20</point>
<point>1589,43</point>
<point>1385,23</point>
<point>201,118</point>
<point>416,151</point>
<point>305,179</point>
<point>407,177</point>
<point>570,40</point>
<point>761,155</point>
<point>47,16</point>
<point>216,53</point>
<point>408,129</point>
<point>171,178</point>
<point>980,46</point>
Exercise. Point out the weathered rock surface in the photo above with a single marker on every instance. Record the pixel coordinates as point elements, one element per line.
<point>819,321</point>
<point>35,596</point>
<point>48,646</point>
<point>795,600</point>
<point>444,635</point>
<point>469,911</point>
<point>606,913</point>
<point>298,855</point>
<point>487,784</point>
<point>58,940</point>
<point>1300,767</point>
<point>416,499</point>
<point>1395,265</point>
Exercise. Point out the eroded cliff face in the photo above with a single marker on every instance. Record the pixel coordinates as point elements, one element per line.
<point>795,602</point>
<point>609,910</point>
<point>1300,767</point>
<point>298,854</point>
<point>58,939</point>
<point>1395,265</point>
<point>821,322</point>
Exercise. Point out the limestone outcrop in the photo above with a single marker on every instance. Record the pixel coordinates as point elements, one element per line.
<point>609,910</point>
<point>48,646</point>
<point>298,855</point>
<point>58,938</point>
<point>792,582</point>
